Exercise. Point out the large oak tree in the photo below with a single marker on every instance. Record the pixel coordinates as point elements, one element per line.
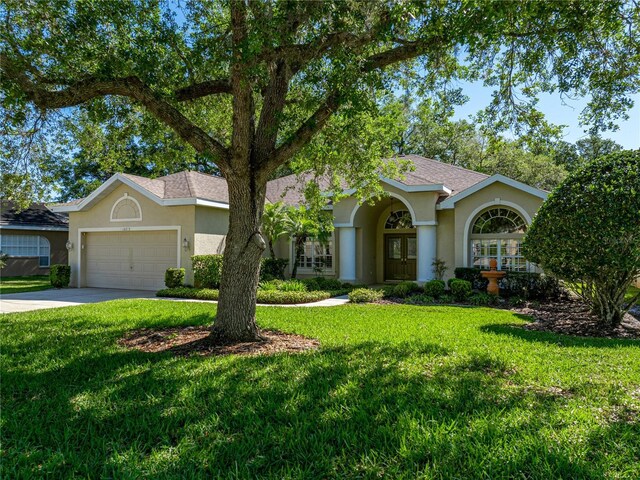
<point>250,84</point>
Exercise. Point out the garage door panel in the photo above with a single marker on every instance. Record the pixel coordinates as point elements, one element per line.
<point>130,260</point>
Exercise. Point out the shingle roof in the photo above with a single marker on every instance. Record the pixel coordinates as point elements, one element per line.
<point>289,189</point>
<point>37,215</point>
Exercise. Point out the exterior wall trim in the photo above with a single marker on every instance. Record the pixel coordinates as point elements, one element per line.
<point>177,228</point>
<point>450,202</point>
<point>467,225</point>
<point>34,228</point>
<point>427,187</point>
<point>391,194</point>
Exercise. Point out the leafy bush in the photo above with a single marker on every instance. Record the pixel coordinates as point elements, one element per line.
<point>292,286</point>
<point>472,275</point>
<point>207,270</point>
<point>174,277</point>
<point>516,301</point>
<point>322,283</point>
<point>403,289</point>
<point>365,295</point>
<point>529,285</point>
<point>270,285</point>
<point>587,233</point>
<point>434,288</point>
<point>447,299</point>
<point>439,268</point>
<point>273,268</point>
<point>60,275</point>
<point>460,289</point>
<point>421,299</point>
<point>483,299</point>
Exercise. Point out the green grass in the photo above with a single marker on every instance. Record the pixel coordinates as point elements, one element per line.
<point>631,293</point>
<point>394,392</point>
<point>24,284</point>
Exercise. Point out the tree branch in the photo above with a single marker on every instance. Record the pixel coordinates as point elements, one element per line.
<point>132,87</point>
<point>203,89</point>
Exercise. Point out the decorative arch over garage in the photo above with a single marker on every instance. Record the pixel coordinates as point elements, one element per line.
<point>126,209</point>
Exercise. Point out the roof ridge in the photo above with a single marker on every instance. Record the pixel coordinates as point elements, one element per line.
<point>451,165</point>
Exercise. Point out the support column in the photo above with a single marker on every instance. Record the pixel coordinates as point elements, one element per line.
<point>347,239</point>
<point>426,252</point>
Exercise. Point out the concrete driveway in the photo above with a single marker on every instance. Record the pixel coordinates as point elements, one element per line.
<point>54,298</point>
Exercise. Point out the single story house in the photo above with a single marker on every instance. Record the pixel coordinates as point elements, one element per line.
<point>131,229</point>
<point>33,239</point>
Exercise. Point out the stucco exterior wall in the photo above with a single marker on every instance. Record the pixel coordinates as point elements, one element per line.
<point>495,194</point>
<point>445,249</point>
<point>25,266</point>
<point>211,225</point>
<point>153,215</point>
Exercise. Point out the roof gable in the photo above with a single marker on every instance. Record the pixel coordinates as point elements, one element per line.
<point>451,201</point>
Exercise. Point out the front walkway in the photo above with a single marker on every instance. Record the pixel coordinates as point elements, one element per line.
<point>66,297</point>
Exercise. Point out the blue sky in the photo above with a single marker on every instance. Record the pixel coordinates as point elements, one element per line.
<point>628,134</point>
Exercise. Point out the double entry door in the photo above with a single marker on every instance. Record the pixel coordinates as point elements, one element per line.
<point>401,252</point>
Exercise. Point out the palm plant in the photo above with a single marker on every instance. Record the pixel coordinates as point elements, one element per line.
<point>274,223</point>
<point>303,224</point>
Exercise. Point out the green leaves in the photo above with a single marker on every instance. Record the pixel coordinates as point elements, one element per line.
<point>588,230</point>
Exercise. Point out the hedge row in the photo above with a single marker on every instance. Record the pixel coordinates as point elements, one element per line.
<point>274,297</point>
<point>207,270</point>
<point>528,285</point>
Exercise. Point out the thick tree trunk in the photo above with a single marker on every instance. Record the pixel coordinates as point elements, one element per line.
<point>235,320</point>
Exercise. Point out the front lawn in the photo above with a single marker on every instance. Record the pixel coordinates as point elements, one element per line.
<point>395,391</point>
<point>24,284</point>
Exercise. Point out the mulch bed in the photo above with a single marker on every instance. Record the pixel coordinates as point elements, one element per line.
<point>572,317</point>
<point>185,341</point>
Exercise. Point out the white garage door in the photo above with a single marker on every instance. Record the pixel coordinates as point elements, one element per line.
<point>132,260</point>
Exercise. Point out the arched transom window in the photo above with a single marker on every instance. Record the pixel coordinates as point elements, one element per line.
<point>497,233</point>
<point>399,219</point>
<point>126,209</point>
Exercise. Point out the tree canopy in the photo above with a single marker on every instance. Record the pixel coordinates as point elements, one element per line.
<point>253,85</point>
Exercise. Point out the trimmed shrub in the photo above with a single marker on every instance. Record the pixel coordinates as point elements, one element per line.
<point>460,289</point>
<point>275,297</point>
<point>365,295</point>
<point>174,277</point>
<point>273,268</point>
<point>483,299</point>
<point>207,270</point>
<point>421,299</point>
<point>60,275</point>
<point>447,299</point>
<point>403,289</point>
<point>529,285</point>
<point>434,288</point>
<point>588,233</point>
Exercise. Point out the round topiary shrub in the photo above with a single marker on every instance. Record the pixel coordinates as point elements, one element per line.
<point>587,233</point>
<point>460,289</point>
<point>365,295</point>
<point>434,288</point>
<point>403,289</point>
<point>174,277</point>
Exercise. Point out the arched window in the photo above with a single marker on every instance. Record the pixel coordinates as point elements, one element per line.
<point>126,209</point>
<point>497,233</point>
<point>399,219</point>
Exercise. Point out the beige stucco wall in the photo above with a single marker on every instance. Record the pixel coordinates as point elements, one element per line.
<point>153,215</point>
<point>445,248</point>
<point>211,226</point>
<point>494,195</point>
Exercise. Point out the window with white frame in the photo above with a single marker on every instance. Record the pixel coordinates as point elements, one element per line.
<point>316,255</point>
<point>498,233</point>
<point>26,246</point>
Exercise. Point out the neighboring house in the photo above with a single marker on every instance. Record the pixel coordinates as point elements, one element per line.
<point>33,239</point>
<point>127,232</point>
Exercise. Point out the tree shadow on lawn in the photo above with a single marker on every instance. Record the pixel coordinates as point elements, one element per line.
<point>368,409</point>
<point>552,338</point>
